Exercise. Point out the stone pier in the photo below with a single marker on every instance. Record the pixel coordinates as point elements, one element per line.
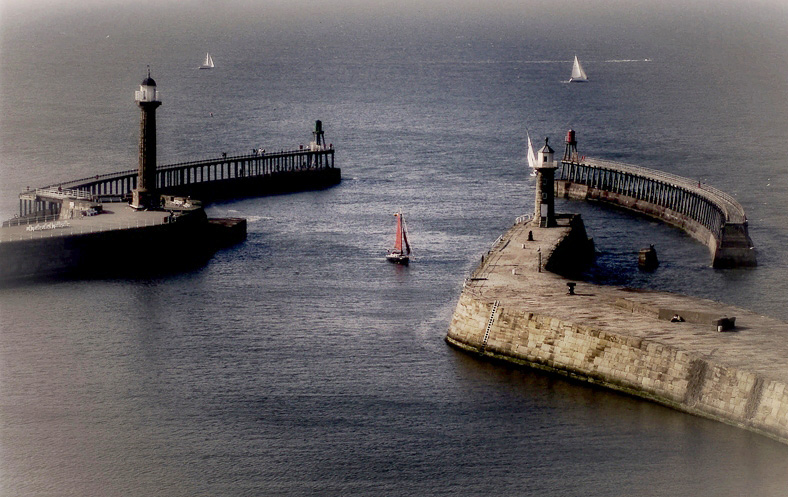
<point>694,355</point>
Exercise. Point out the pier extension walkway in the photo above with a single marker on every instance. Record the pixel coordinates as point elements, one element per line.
<point>512,308</point>
<point>709,215</point>
<point>257,173</point>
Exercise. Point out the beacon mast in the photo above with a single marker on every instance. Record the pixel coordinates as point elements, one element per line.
<point>570,153</point>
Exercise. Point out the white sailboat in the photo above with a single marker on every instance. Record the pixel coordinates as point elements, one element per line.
<point>531,155</point>
<point>578,74</point>
<point>208,64</point>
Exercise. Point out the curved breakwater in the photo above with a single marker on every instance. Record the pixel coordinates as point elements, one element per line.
<point>709,215</point>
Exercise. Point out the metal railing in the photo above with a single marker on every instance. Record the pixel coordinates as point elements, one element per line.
<point>63,193</point>
<point>19,221</point>
<point>85,184</point>
<point>733,211</point>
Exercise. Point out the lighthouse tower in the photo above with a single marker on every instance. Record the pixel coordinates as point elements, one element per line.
<point>544,208</point>
<point>145,195</point>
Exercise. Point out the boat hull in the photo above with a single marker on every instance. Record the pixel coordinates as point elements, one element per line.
<point>398,258</point>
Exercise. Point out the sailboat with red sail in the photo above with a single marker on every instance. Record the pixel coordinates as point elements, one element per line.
<point>400,254</point>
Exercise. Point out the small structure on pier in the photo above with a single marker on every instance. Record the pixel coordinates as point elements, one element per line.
<point>544,206</point>
<point>145,195</point>
<point>570,152</point>
<point>319,142</point>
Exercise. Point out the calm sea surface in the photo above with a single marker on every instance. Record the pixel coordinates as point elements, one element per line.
<point>300,362</point>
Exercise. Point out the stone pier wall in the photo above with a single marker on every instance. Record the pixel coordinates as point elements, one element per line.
<point>182,245</point>
<point>647,369</point>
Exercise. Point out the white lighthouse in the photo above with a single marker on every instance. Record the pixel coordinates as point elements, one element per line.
<point>544,208</point>
<point>145,196</point>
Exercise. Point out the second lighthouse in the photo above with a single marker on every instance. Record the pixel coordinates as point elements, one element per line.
<point>544,208</point>
<point>145,196</point>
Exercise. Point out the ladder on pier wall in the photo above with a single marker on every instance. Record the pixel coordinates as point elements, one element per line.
<point>489,325</point>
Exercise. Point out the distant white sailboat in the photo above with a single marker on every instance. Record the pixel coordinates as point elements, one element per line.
<point>531,155</point>
<point>208,64</point>
<point>578,74</point>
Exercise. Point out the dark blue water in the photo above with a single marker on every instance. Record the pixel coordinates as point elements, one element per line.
<point>299,362</point>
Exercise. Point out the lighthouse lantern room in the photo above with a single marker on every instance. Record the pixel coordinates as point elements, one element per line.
<point>147,91</point>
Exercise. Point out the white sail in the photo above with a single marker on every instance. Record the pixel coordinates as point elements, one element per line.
<point>208,64</point>
<point>531,155</point>
<point>578,74</point>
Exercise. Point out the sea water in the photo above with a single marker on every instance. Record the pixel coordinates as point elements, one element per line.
<point>300,362</point>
